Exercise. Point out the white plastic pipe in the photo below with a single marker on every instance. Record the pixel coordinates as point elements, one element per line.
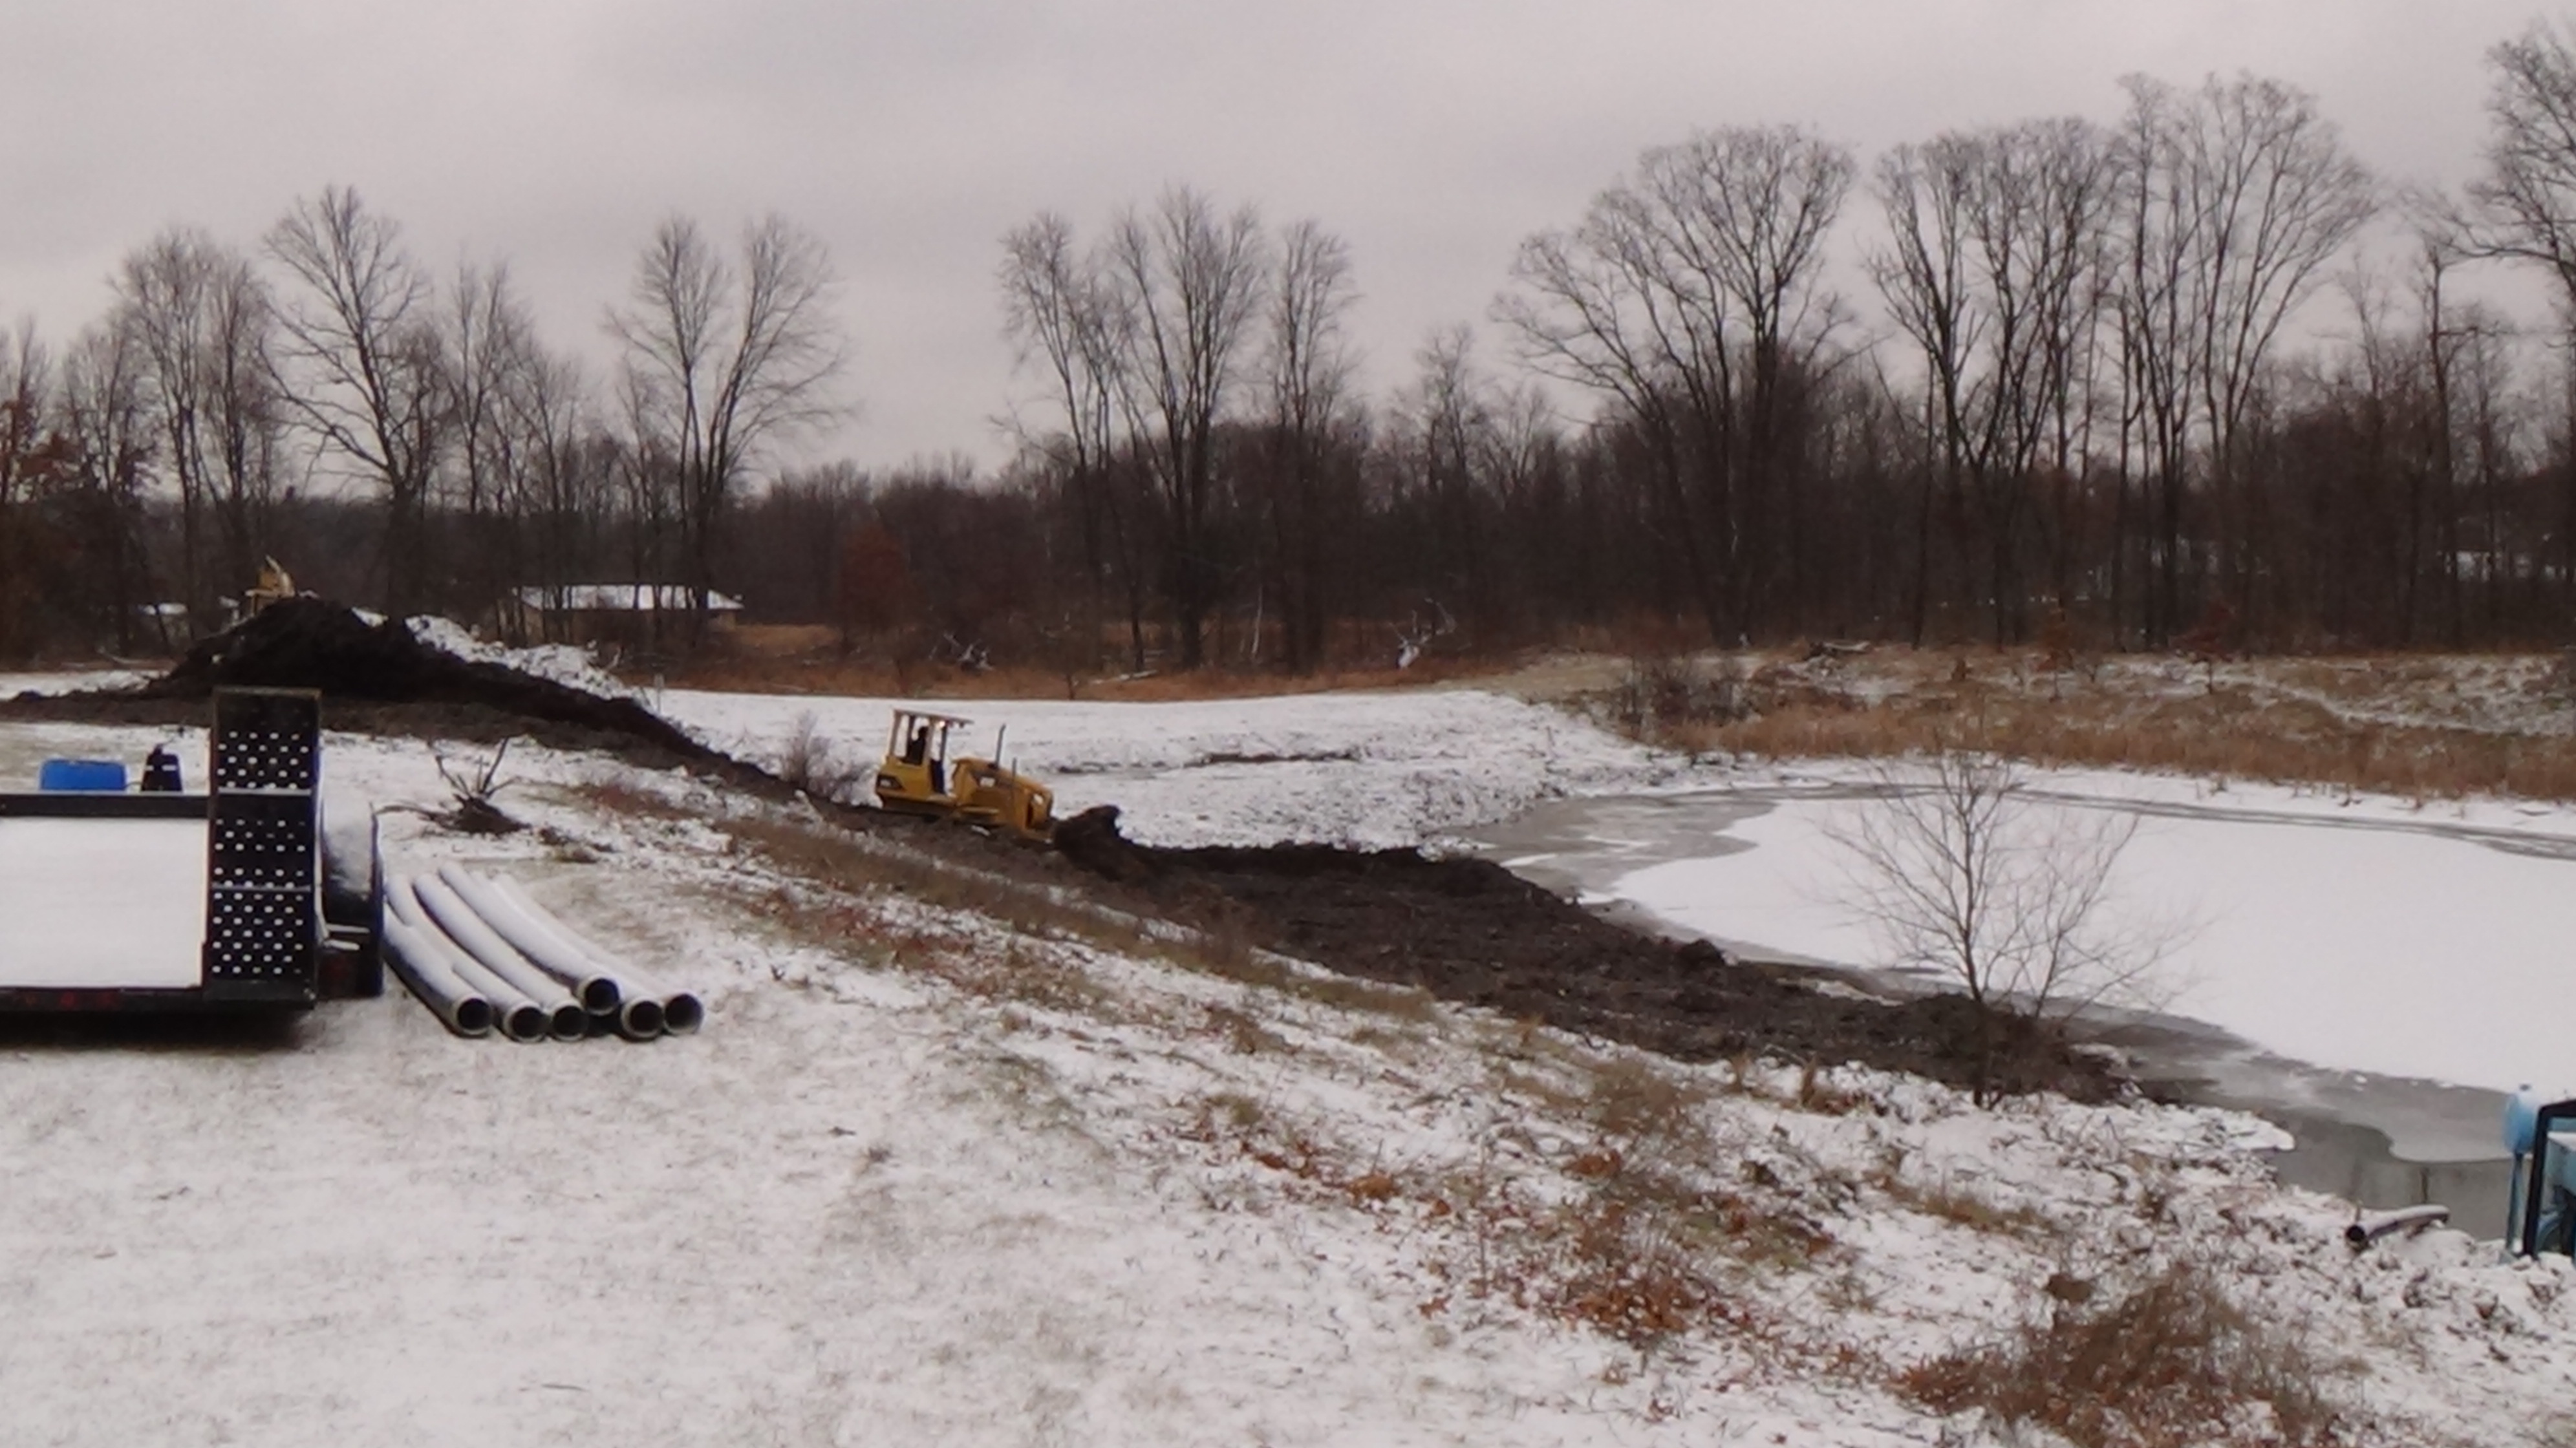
<point>682,1011</point>
<point>519,1018</point>
<point>590,985</point>
<point>435,983</point>
<point>638,1014</point>
<point>565,1018</point>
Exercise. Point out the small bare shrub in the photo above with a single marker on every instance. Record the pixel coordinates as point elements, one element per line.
<point>1954,1203</point>
<point>815,765</point>
<point>1632,1099</point>
<point>1623,1272</point>
<point>1818,1093</point>
<point>1243,1035</point>
<point>2173,1362</point>
<point>1666,697</point>
<point>475,789</point>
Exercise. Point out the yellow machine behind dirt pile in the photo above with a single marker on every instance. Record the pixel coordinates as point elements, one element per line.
<point>917,777</point>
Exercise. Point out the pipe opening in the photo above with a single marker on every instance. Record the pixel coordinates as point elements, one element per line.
<point>683,1013</point>
<point>569,1022</point>
<point>524,1022</point>
<point>599,996</point>
<point>642,1019</point>
<point>474,1016</point>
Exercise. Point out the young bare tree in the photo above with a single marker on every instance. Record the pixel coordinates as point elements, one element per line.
<point>1956,868</point>
<point>361,364</point>
<point>725,358</point>
<point>1190,283</point>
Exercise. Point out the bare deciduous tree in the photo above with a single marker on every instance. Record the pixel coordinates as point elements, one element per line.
<point>724,358</point>
<point>1309,366</point>
<point>109,426</point>
<point>1993,273</point>
<point>205,326</point>
<point>1191,285</point>
<point>1065,318</point>
<point>2238,194</point>
<point>2525,203</point>
<point>1690,297</point>
<point>361,363</point>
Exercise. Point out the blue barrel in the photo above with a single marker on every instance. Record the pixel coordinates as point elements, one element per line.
<point>2522,1120</point>
<point>82,776</point>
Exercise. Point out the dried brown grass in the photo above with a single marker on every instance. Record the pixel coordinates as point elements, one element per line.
<point>2171,1363</point>
<point>2228,731</point>
<point>796,664</point>
<point>1954,1203</point>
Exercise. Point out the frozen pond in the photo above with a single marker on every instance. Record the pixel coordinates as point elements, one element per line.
<point>2368,979</point>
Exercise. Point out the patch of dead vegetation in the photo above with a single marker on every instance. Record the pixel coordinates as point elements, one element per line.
<point>2171,1362</point>
<point>2377,725</point>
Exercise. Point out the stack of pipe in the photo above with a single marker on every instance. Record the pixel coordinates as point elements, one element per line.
<point>481,954</point>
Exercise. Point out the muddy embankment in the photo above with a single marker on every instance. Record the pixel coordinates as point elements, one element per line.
<point>1464,930</point>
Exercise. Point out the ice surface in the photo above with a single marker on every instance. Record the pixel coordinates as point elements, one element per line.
<point>2363,939</point>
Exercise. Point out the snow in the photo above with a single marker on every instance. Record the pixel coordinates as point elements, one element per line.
<point>569,664</point>
<point>929,1178</point>
<point>87,902</point>
<point>2369,936</point>
<point>77,681</point>
<point>1362,769</point>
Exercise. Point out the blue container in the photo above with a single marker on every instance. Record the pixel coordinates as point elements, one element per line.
<point>2522,1121</point>
<point>82,776</point>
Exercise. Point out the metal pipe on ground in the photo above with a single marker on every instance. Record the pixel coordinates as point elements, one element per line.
<point>518,1017</point>
<point>682,1010</point>
<point>593,987</point>
<point>2368,1229</point>
<point>565,1019</point>
<point>435,983</point>
<point>638,1015</point>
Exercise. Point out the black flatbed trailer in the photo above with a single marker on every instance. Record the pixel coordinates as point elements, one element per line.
<point>278,925</point>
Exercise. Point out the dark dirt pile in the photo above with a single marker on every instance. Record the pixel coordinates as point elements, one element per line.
<point>1472,932</point>
<point>381,679</point>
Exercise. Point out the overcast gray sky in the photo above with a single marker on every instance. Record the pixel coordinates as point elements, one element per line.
<point>1433,134</point>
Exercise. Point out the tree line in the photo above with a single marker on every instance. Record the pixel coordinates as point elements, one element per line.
<point>2191,373</point>
<point>407,439</point>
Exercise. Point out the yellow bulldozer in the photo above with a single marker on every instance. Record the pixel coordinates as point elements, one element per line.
<point>918,777</point>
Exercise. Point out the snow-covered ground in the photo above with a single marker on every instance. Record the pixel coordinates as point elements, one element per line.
<point>1356,769</point>
<point>931,1177</point>
<point>12,685</point>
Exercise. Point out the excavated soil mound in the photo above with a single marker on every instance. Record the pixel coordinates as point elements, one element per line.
<point>1470,931</point>
<point>380,678</point>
